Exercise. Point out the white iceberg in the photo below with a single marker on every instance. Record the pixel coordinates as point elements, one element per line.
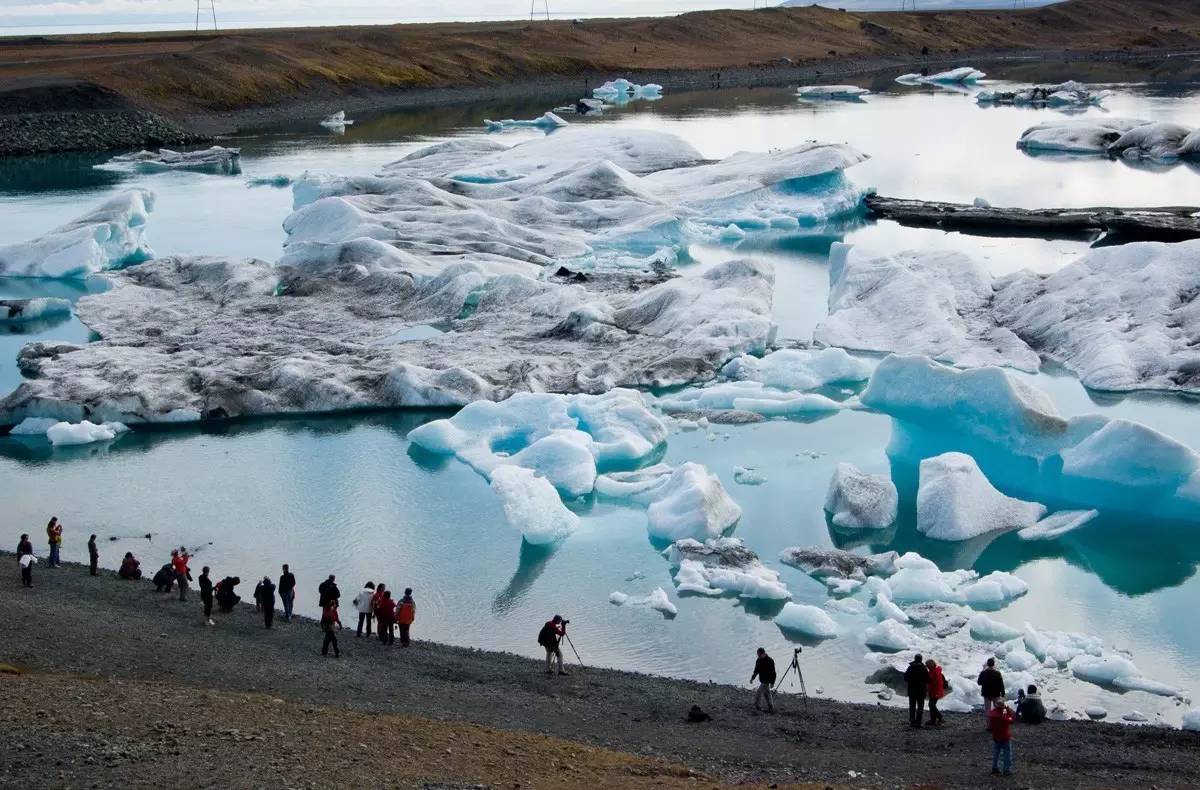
<point>807,620</point>
<point>1065,94</point>
<point>336,121</point>
<point>217,160</point>
<point>747,476</point>
<point>886,610</point>
<point>799,369</point>
<point>532,506</point>
<point>85,432</point>
<point>989,630</point>
<point>831,92</point>
<point>545,121</point>
<point>889,635</point>
<point>963,75</point>
<point>110,236</point>
<point>1092,135</point>
<point>621,90</point>
<point>1058,524</point>
<point>691,503</point>
<point>861,501</point>
<point>1191,720</point>
<point>15,312</point>
<point>720,565</point>
<point>656,599</point>
<point>956,502</point>
<point>1160,140</point>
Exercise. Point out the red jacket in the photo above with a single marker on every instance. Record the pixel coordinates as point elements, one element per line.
<point>385,611</point>
<point>180,563</point>
<point>937,683</point>
<point>406,612</point>
<point>1000,720</point>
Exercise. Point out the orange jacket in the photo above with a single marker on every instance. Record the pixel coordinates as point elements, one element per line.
<point>406,612</point>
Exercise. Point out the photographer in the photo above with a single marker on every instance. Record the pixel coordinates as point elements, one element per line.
<point>764,670</point>
<point>549,637</point>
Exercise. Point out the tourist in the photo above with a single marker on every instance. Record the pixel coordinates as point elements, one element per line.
<point>93,556</point>
<point>916,677</point>
<point>24,545</point>
<point>549,637</point>
<point>385,617</point>
<point>226,594</point>
<point>164,578</point>
<point>1000,719</point>
<point>27,562</point>
<point>287,592</point>
<point>54,532</point>
<point>1030,709</point>
<point>130,567</point>
<point>329,618</point>
<point>179,563</point>
<point>991,686</point>
<point>363,603</point>
<point>328,591</point>
<point>764,670</point>
<point>937,690</point>
<point>406,613</point>
<point>264,596</point>
<point>206,595</point>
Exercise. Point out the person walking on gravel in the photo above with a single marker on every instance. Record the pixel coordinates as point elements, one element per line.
<point>937,690</point>
<point>329,619</point>
<point>54,533</point>
<point>764,671</point>
<point>287,592</point>
<point>406,614</point>
<point>916,677</point>
<point>206,595</point>
<point>991,686</point>
<point>364,604</point>
<point>93,556</point>
<point>550,637</point>
<point>265,596</point>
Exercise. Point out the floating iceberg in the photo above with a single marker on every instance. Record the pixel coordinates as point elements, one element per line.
<point>278,181</point>
<point>795,369</point>
<point>860,501</point>
<point>932,302</point>
<point>691,503</point>
<point>836,563</point>
<point>963,75</point>
<point>85,432</point>
<point>545,121</point>
<point>956,502</point>
<point>1116,670</point>
<point>806,620</point>
<point>889,635</point>
<point>532,506</point>
<point>831,92</point>
<point>1058,524</point>
<point>216,160</point>
<point>990,630</point>
<point>1118,137</point>
<point>1152,141</point>
<point>747,476</point>
<point>1066,94</point>
<point>657,599</point>
<point>720,565</point>
<point>14,312</point>
<point>109,237</point>
<point>621,90</point>
<point>337,121</point>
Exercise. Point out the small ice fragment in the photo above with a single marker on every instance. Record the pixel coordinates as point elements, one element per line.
<point>747,476</point>
<point>807,620</point>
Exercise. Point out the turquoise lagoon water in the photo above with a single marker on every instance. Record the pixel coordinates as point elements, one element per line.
<point>348,494</point>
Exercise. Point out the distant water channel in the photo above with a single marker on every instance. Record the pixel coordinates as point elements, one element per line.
<point>348,494</point>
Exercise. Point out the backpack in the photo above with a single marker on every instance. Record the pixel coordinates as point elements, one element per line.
<point>546,636</point>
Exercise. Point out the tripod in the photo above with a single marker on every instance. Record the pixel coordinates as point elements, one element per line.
<point>795,666</point>
<point>573,650</point>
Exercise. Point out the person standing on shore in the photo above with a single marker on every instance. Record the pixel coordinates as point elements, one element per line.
<point>206,595</point>
<point>24,546</point>
<point>329,619</point>
<point>549,637</point>
<point>406,613</point>
<point>93,556</point>
<point>364,602</point>
<point>328,591</point>
<point>1000,719</point>
<point>266,600</point>
<point>917,679</point>
<point>385,617</point>
<point>937,690</point>
<point>287,592</point>
<point>27,562</point>
<point>54,533</point>
<point>991,686</point>
<point>764,671</point>
<point>179,563</point>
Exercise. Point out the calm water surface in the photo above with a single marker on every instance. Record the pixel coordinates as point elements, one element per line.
<point>349,494</point>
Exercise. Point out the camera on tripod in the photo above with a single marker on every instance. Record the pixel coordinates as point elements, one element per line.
<point>797,651</point>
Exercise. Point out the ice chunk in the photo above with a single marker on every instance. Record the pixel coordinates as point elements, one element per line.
<point>795,369</point>
<point>14,312</point>
<point>1103,670</point>
<point>1136,717</point>
<point>532,506</point>
<point>931,302</point>
<point>860,501</point>
<point>1066,94</point>
<point>109,237</point>
<point>956,502</point>
<point>989,630</point>
<point>217,160</point>
<point>692,504</point>
<point>1151,141</point>
<point>997,588</point>
<point>746,476</point>
<point>545,121</point>
<point>890,635</point>
<point>807,620</point>
<point>886,610</point>
<point>86,432</point>
<point>821,563</point>
<point>1138,683</point>
<point>723,565</point>
<point>963,75</point>
<point>1058,524</point>
<point>747,396</point>
<point>657,599</point>
<point>831,92</point>
<point>1092,135</point>
<point>621,90</point>
<point>1191,720</point>
<point>33,426</point>
<point>336,121</point>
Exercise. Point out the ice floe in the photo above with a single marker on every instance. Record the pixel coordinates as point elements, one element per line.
<point>109,237</point>
<point>691,503</point>
<point>217,160</point>
<point>1065,94</point>
<point>861,501</point>
<point>955,501</point>
<point>656,599</point>
<point>547,121</point>
<point>85,432</point>
<point>836,563</point>
<point>337,121</point>
<point>963,75</point>
<point>831,92</point>
<point>16,312</point>
<point>747,476</point>
<point>1058,524</point>
<point>622,90</point>
<point>719,565</point>
<point>1128,138</point>
<point>532,506</point>
<point>806,620</point>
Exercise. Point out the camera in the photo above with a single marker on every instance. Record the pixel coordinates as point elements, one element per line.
<point>566,622</point>
<point>797,651</point>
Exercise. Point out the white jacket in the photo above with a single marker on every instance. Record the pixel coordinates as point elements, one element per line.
<point>362,601</point>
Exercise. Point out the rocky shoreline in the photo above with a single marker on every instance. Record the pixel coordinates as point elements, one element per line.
<point>122,631</point>
<point>90,130</point>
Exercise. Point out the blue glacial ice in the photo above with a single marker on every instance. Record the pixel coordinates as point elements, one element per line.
<point>806,620</point>
<point>532,506</point>
<point>548,121</point>
<point>18,312</point>
<point>963,75</point>
<point>956,502</point>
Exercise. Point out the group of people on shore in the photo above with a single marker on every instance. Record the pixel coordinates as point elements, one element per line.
<point>375,604</point>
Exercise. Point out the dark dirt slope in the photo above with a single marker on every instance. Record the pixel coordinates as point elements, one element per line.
<point>185,74</point>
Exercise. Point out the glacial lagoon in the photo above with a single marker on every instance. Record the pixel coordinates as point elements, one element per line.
<point>350,494</point>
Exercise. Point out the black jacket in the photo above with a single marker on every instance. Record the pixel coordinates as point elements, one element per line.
<point>1031,710</point>
<point>917,677</point>
<point>328,591</point>
<point>206,586</point>
<point>287,582</point>
<point>265,594</point>
<point>764,670</point>
<point>991,683</point>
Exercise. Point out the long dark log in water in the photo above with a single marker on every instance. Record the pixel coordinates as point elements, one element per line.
<point>1173,223</point>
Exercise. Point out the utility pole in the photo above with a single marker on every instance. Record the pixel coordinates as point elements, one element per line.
<point>212,6</point>
<point>533,6</point>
